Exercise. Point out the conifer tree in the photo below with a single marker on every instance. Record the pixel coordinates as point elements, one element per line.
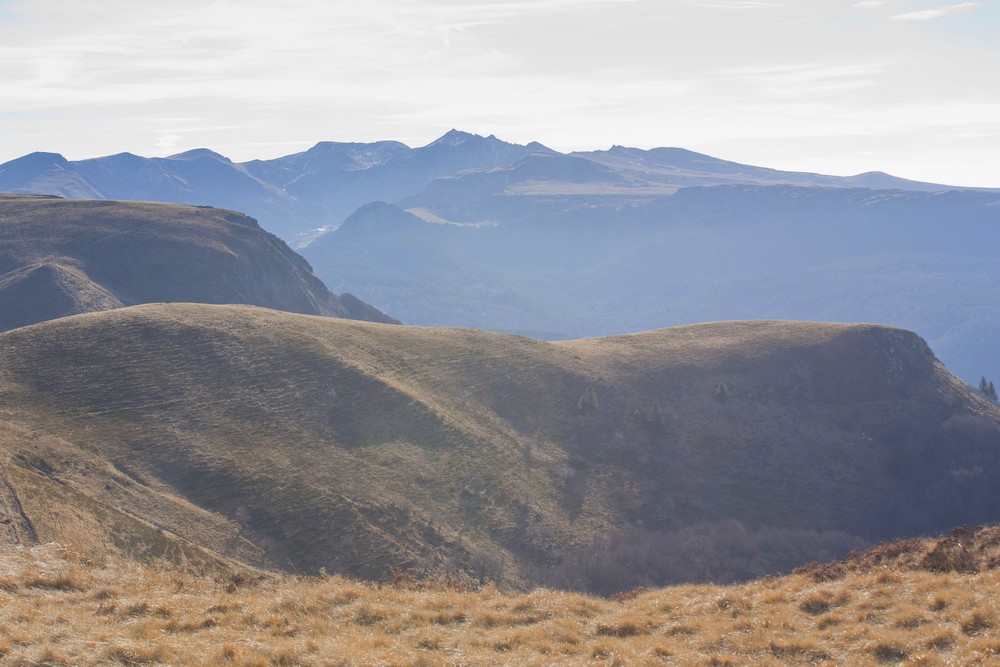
<point>588,401</point>
<point>987,389</point>
<point>656,415</point>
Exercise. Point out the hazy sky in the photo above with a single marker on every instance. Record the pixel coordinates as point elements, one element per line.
<point>838,86</point>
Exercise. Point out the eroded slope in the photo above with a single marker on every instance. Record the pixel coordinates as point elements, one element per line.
<point>303,442</point>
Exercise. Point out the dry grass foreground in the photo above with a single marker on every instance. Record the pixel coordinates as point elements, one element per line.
<point>57,608</point>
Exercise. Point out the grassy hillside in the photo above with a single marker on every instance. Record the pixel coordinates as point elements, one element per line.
<point>898,604</point>
<point>64,257</point>
<point>303,443</point>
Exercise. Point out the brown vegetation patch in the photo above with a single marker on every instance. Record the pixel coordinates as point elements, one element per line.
<point>133,655</point>
<point>622,629</point>
<point>911,622</point>
<point>191,626</point>
<point>942,642</point>
<point>368,616</point>
<point>977,625</point>
<point>60,582</point>
<point>953,554</point>
<point>798,651</point>
<point>887,653</point>
<point>137,609</point>
<point>822,602</point>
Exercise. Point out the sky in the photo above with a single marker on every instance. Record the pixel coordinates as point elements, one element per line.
<point>910,87</point>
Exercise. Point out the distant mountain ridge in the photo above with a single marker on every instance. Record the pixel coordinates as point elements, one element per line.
<point>63,257</point>
<point>522,238</point>
<point>321,186</point>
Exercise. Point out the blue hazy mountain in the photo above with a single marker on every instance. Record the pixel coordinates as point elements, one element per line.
<point>289,196</point>
<point>476,231</point>
<point>577,265</point>
<point>294,195</point>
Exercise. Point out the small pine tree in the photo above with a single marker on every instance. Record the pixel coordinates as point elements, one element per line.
<point>722,392</point>
<point>987,389</point>
<point>588,401</point>
<point>655,417</point>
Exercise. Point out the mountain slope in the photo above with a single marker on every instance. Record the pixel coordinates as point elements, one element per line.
<point>63,257</point>
<point>47,174</point>
<point>301,442</point>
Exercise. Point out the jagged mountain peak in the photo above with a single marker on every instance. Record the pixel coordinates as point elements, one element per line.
<point>199,154</point>
<point>455,137</point>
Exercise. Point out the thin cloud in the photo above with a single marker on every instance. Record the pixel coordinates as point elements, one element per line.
<point>930,14</point>
<point>252,77</point>
<point>736,4</point>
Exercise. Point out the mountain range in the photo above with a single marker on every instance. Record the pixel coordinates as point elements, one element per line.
<point>318,188</point>
<point>475,231</point>
<point>290,195</point>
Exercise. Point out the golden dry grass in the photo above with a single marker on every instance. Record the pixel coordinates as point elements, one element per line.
<point>57,608</point>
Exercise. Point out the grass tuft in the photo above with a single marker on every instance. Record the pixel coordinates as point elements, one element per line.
<point>60,582</point>
<point>134,655</point>
<point>622,629</point>
<point>977,625</point>
<point>887,653</point>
